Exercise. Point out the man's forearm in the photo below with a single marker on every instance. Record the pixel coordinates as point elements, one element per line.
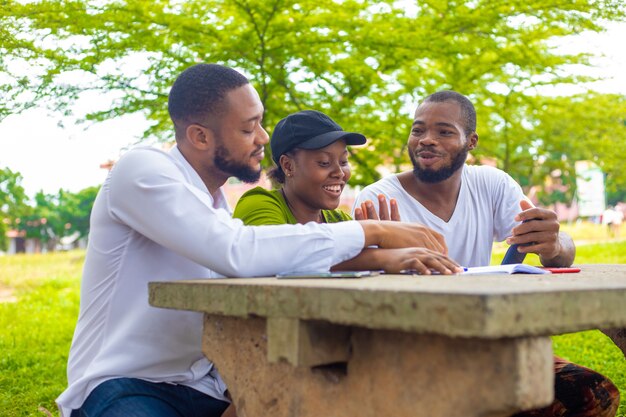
<point>566,255</point>
<point>391,235</point>
<point>368,259</point>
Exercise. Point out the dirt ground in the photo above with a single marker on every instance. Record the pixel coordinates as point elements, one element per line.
<point>6,295</point>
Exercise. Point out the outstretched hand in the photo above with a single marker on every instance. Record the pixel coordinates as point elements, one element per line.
<point>367,210</point>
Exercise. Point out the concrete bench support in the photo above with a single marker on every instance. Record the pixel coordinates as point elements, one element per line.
<point>384,373</point>
<point>306,343</point>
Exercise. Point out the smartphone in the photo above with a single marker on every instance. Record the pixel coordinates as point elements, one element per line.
<point>512,256</point>
<point>335,274</point>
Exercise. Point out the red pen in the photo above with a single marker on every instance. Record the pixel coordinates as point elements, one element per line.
<point>569,270</point>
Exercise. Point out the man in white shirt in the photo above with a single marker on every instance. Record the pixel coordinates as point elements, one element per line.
<point>473,205</point>
<point>618,218</point>
<point>470,205</point>
<point>607,219</point>
<point>163,216</point>
<point>612,217</point>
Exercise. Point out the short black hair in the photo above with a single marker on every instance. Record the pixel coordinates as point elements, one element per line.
<point>469,112</point>
<point>198,92</point>
<point>276,174</point>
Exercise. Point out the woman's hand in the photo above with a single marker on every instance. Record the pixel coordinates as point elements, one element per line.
<point>386,212</point>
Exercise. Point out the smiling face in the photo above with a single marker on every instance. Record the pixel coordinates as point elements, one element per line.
<point>438,144</point>
<point>240,138</point>
<point>316,178</point>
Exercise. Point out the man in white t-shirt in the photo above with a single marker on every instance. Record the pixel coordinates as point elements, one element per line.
<point>471,206</point>
<point>618,218</point>
<point>162,216</point>
<point>612,217</point>
<point>607,219</point>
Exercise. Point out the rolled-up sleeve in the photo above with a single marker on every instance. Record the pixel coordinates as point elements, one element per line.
<point>150,194</point>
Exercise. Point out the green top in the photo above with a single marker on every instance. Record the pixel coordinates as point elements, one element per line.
<point>259,206</point>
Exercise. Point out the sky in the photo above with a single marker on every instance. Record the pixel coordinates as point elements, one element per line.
<point>50,157</point>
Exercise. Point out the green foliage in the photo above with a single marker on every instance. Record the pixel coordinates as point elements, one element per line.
<point>51,217</point>
<point>57,215</point>
<point>12,202</point>
<point>361,61</point>
<point>15,50</point>
<point>586,127</point>
<point>615,196</point>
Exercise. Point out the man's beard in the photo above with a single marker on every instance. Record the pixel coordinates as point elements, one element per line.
<point>434,176</point>
<point>243,172</point>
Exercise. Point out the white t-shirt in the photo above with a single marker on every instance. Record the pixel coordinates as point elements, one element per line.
<point>155,220</point>
<point>485,211</point>
<point>608,216</point>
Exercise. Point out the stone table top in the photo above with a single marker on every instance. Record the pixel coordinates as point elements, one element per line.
<point>484,306</point>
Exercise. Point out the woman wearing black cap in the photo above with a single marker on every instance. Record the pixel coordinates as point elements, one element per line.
<point>311,156</point>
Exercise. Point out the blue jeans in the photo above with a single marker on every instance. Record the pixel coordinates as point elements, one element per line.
<point>129,397</point>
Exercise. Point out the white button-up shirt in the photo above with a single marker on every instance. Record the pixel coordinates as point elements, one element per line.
<point>155,220</point>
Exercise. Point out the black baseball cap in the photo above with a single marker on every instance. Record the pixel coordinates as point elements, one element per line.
<point>309,129</point>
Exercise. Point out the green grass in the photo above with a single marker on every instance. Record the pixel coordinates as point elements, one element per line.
<point>36,330</point>
<point>586,231</point>
<point>591,246</point>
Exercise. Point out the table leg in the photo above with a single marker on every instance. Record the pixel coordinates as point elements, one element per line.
<point>387,373</point>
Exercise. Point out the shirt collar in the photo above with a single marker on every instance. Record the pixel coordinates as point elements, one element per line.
<point>191,173</point>
<point>219,199</point>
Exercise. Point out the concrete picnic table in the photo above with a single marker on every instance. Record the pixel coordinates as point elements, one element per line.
<point>394,345</point>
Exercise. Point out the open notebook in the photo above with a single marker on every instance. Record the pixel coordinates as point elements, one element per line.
<point>505,269</point>
<point>511,264</point>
